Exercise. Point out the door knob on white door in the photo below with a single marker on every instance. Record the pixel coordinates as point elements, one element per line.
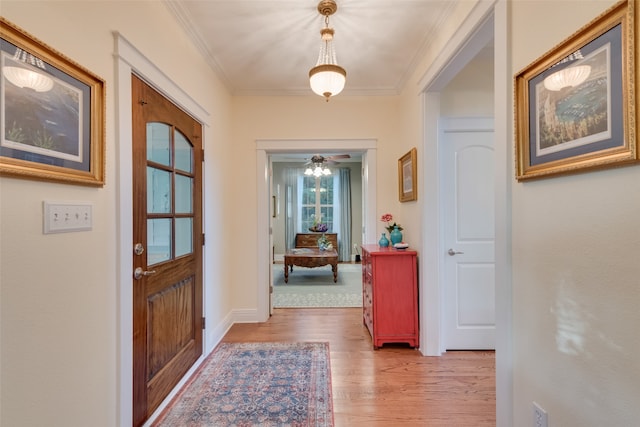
<point>453,253</point>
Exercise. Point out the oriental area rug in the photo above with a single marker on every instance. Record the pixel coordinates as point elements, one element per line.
<point>257,384</point>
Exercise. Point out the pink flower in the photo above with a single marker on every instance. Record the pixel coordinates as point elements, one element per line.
<point>388,218</point>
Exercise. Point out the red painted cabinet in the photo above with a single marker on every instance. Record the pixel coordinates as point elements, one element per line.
<point>390,295</point>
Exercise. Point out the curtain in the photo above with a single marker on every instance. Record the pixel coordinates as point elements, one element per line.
<point>344,213</point>
<point>290,205</point>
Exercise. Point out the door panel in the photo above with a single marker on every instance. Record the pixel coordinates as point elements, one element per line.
<point>167,218</point>
<point>469,283</point>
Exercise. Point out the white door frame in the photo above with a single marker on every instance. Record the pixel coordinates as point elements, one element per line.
<point>266,147</point>
<point>487,20</point>
<point>128,61</point>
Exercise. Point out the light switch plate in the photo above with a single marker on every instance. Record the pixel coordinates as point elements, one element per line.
<point>539,416</point>
<point>65,217</point>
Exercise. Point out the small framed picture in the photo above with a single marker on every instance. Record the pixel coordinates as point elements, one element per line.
<point>576,106</point>
<point>52,113</point>
<point>407,176</point>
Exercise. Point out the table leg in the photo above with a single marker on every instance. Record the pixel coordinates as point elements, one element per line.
<point>334,268</point>
<point>286,273</point>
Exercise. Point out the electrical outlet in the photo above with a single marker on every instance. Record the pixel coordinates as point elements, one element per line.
<point>64,217</point>
<point>539,416</point>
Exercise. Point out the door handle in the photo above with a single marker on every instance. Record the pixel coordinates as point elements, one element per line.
<point>138,273</point>
<point>454,253</point>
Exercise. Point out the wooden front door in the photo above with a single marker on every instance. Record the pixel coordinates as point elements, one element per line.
<point>167,252</point>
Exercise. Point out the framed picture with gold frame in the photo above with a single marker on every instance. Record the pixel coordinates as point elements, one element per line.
<point>408,177</point>
<point>52,115</point>
<point>576,105</point>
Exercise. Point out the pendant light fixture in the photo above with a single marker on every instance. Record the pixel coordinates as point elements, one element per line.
<point>327,78</point>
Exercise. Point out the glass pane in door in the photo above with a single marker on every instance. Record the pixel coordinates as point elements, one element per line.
<point>159,143</point>
<point>158,190</point>
<point>184,153</point>
<point>169,193</point>
<point>184,194</point>
<point>184,233</point>
<point>158,240</point>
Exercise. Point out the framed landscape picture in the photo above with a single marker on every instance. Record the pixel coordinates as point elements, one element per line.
<point>408,177</point>
<point>575,105</point>
<point>52,113</point>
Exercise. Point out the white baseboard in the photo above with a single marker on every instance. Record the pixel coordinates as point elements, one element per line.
<point>247,315</point>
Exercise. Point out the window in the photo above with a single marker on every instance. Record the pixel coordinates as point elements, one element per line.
<point>316,201</point>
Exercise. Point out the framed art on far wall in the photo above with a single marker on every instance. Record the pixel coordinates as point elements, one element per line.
<point>575,107</point>
<point>52,113</point>
<point>408,177</point>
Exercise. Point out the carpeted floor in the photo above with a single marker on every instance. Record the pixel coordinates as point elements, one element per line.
<point>314,287</point>
<point>257,384</point>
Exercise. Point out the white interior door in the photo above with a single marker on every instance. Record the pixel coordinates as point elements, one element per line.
<point>468,217</point>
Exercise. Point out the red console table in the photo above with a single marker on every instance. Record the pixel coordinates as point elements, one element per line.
<point>390,295</point>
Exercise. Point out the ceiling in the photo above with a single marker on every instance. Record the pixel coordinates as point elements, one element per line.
<point>266,47</point>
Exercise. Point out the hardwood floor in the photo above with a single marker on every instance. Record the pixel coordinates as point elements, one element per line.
<point>392,386</point>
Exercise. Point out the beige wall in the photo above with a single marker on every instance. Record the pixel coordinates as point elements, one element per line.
<point>576,275</point>
<point>575,240</point>
<point>411,132</point>
<point>59,301</point>
<point>470,93</point>
<point>304,118</point>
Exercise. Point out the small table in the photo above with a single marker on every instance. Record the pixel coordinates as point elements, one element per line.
<point>310,257</point>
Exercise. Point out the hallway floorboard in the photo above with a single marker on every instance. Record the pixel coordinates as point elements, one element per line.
<point>391,386</point>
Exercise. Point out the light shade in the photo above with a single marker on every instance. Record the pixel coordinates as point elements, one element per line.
<point>317,170</point>
<point>567,77</point>
<point>23,77</point>
<point>327,78</point>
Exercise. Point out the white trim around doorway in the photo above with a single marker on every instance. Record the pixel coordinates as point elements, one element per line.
<point>489,17</point>
<point>266,147</point>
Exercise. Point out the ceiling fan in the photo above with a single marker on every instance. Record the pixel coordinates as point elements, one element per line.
<point>319,160</point>
<point>317,165</point>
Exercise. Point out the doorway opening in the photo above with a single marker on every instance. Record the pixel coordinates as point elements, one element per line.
<point>304,203</point>
<point>306,209</point>
<point>485,23</point>
<point>130,62</point>
<point>266,151</point>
